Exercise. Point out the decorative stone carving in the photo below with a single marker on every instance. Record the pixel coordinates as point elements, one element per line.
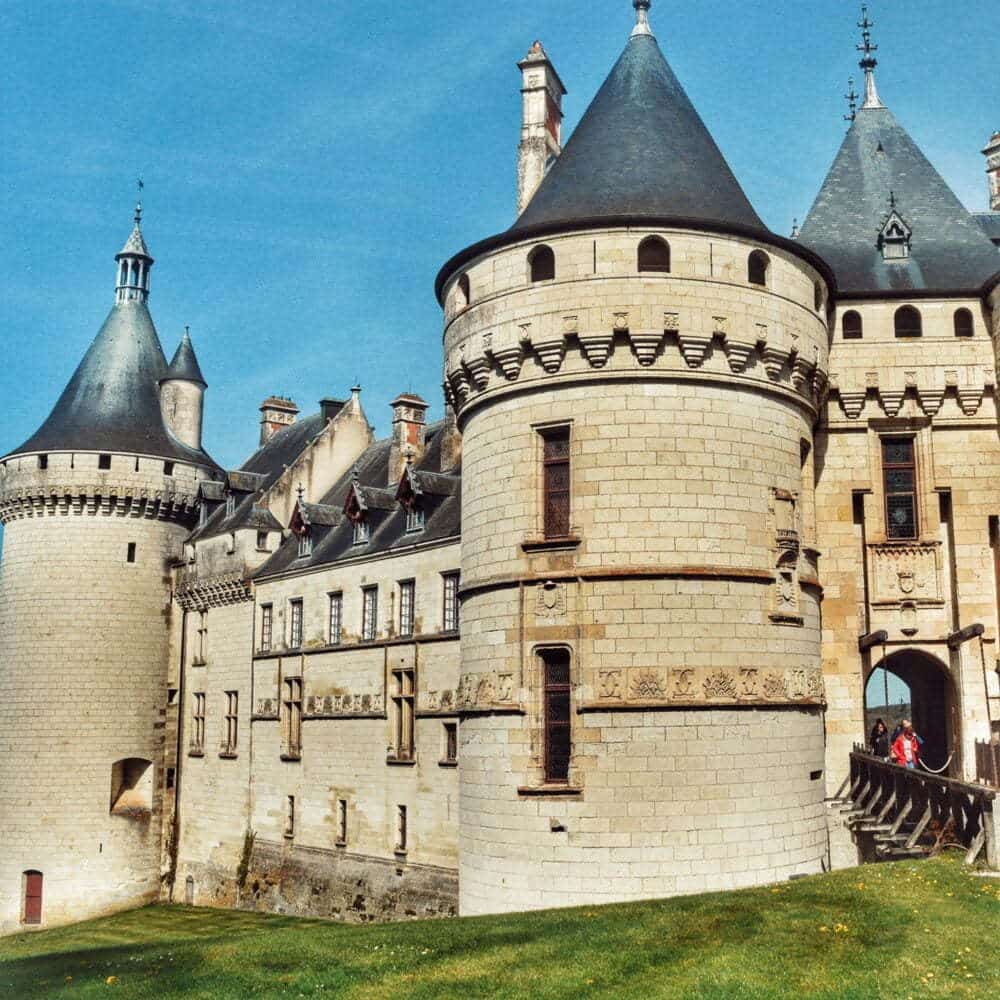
<point>648,685</point>
<point>775,688</point>
<point>892,401</point>
<point>550,353</point>
<point>970,399</point>
<point>672,322</point>
<point>774,361</point>
<point>694,349</point>
<point>610,685</point>
<point>510,360</point>
<point>479,691</point>
<point>550,601</point>
<point>597,348</point>
<point>479,371</point>
<point>906,572</point>
<point>749,682</point>
<point>738,355</point>
<point>684,684</point>
<point>621,322</point>
<point>720,684</point>
<point>266,708</point>
<point>853,403</point>
<point>339,706</point>
<point>931,400</point>
<point>645,346</point>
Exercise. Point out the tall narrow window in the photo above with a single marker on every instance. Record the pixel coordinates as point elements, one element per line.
<point>341,822</point>
<point>266,627</point>
<point>542,264</point>
<point>556,482</point>
<point>290,816</point>
<point>168,468</point>
<point>291,721</point>
<point>464,291</point>
<point>362,532</point>
<point>414,518</point>
<point>908,322</point>
<point>43,462</point>
<point>403,704</point>
<point>130,552</point>
<point>231,734</point>
<point>407,594</point>
<point>305,545</point>
<point>899,472</point>
<point>654,255</point>
<point>32,898</point>
<point>262,537</point>
<point>336,619</point>
<point>295,624</point>
<point>401,831</point>
<point>555,664</point>
<point>197,744</point>
<point>757,267</point>
<point>450,743</point>
<point>104,462</point>
<point>451,619</point>
<point>853,326</point>
<point>963,323</point>
<point>369,613</point>
<point>201,650</point>
<point>230,504</point>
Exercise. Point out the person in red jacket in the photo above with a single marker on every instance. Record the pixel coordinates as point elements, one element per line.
<point>906,749</point>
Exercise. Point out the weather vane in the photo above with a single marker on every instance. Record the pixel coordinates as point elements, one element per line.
<point>866,25</point>
<point>852,102</point>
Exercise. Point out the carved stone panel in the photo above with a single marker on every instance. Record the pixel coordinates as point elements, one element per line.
<point>906,572</point>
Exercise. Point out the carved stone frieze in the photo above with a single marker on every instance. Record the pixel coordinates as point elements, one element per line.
<point>339,706</point>
<point>906,572</point>
<point>478,692</point>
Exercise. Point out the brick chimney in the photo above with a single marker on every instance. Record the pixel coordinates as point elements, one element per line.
<point>409,429</point>
<point>541,122</point>
<point>276,413</point>
<point>992,154</point>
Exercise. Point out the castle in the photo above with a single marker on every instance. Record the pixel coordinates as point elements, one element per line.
<point>600,633</point>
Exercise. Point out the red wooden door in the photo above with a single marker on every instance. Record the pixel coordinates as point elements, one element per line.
<point>32,897</point>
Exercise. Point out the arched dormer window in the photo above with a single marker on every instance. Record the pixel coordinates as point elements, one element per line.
<point>542,264</point>
<point>654,255</point>
<point>852,325</point>
<point>964,326</point>
<point>758,265</point>
<point>908,322</point>
<point>464,292</point>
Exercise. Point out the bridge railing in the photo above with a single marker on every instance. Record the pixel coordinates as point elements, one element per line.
<point>915,806</point>
<point>988,763</point>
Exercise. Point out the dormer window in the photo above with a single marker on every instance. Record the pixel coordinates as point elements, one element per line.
<point>894,237</point>
<point>203,515</point>
<point>230,504</point>
<point>362,532</point>
<point>414,519</point>
<point>305,545</point>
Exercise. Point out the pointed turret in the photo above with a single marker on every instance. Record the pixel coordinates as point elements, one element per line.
<point>641,151</point>
<point>134,265</point>
<point>185,367</point>
<point>182,394</point>
<point>879,165</point>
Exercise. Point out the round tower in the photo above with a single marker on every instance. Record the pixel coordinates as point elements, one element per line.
<point>94,506</point>
<point>182,394</point>
<point>636,367</point>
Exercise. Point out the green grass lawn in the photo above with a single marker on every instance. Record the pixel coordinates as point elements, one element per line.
<point>917,930</point>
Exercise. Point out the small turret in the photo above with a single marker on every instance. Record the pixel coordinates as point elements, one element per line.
<point>134,265</point>
<point>992,154</point>
<point>182,395</point>
<point>541,122</point>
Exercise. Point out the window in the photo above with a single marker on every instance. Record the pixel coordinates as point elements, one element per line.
<point>369,613</point>
<point>336,632</point>
<point>555,461</point>
<point>899,473</point>
<point>414,518</point>
<point>908,322</point>
<point>262,537</point>
<point>963,323</point>
<point>43,462</point>
<point>290,816</point>
<point>230,504</point>
<point>32,914</point>
<point>203,514</point>
<point>403,704</point>
<point>407,594</point>
<point>450,743</point>
<point>362,532</point>
<point>757,268</point>
<point>130,552</point>
<point>542,262</point>
<point>200,658</point>
<point>464,291</point>
<point>104,462</point>
<point>295,624</point>
<point>266,627</point>
<point>819,297</point>
<point>451,616</point>
<point>654,255</point>
<point>305,545</point>
<point>291,719</point>
<point>341,822</point>
<point>231,732</point>
<point>401,829</point>
<point>198,724</point>
<point>556,708</point>
<point>168,468</point>
<point>853,327</point>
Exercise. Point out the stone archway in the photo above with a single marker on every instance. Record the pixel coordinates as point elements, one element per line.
<point>933,705</point>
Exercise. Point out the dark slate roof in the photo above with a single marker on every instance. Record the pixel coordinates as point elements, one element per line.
<point>949,251</point>
<point>112,402</point>
<point>248,513</point>
<point>282,449</point>
<point>185,367</point>
<point>641,150</point>
<point>331,544</point>
<point>319,515</point>
<point>989,222</point>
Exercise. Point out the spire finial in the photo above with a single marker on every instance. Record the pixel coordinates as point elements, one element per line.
<point>642,17</point>
<point>868,61</point>
<point>852,101</point>
<point>795,229</point>
<point>301,492</point>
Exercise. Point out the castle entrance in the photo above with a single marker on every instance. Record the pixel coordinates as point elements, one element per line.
<point>917,686</point>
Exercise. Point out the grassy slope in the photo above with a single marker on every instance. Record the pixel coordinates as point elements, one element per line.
<point>907,930</point>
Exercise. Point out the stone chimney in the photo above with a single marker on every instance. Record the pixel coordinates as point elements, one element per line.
<point>276,413</point>
<point>409,430</point>
<point>992,154</point>
<point>451,441</point>
<point>541,122</point>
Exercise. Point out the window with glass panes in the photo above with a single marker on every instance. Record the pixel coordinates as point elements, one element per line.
<point>369,613</point>
<point>899,471</point>
<point>336,619</point>
<point>266,627</point>
<point>231,732</point>
<point>291,721</point>
<point>555,485</point>
<point>295,624</point>
<point>198,722</point>
<point>556,709</point>
<point>450,742</point>
<point>450,620</point>
<point>403,705</point>
<point>407,594</point>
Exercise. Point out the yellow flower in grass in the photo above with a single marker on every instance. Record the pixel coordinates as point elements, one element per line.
<point>111,980</point>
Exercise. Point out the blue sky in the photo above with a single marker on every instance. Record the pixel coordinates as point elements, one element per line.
<point>310,166</point>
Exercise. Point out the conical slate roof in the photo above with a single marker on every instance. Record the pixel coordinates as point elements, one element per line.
<point>135,245</point>
<point>640,151</point>
<point>878,160</point>
<point>185,367</point>
<point>112,402</point>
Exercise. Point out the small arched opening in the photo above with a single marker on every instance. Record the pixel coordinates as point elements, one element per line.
<point>913,685</point>
<point>758,265</point>
<point>132,788</point>
<point>908,322</point>
<point>964,326</point>
<point>542,264</point>
<point>654,256</point>
<point>852,325</point>
<point>464,292</point>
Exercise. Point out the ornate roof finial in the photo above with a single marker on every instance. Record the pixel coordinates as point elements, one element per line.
<point>852,101</point>
<point>795,229</point>
<point>868,61</point>
<point>642,18</point>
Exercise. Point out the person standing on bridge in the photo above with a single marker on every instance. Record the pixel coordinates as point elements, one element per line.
<point>878,740</point>
<point>906,749</point>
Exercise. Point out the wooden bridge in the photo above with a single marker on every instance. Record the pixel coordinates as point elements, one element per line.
<point>897,813</point>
